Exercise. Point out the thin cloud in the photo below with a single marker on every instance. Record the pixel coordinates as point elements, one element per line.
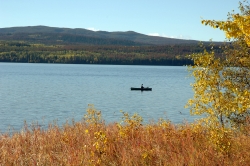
<point>153,34</point>
<point>160,35</point>
<point>185,37</point>
<point>92,29</point>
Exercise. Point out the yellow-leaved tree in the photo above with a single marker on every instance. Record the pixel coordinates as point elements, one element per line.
<point>222,82</point>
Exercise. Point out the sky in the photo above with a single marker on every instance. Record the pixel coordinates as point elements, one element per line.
<point>167,18</point>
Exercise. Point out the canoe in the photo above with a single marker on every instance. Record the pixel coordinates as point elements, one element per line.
<point>142,89</point>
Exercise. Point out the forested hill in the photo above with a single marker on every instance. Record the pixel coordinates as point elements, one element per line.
<point>53,35</point>
<point>41,44</point>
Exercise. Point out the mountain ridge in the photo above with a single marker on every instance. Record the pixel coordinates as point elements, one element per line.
<point>119,37</point>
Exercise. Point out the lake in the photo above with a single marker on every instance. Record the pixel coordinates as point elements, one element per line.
<point>46,93</point>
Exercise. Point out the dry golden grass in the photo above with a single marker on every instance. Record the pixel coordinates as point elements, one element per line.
<point>92,142</point>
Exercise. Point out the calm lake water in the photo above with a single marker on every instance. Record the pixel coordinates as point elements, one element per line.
<point>45,93</point>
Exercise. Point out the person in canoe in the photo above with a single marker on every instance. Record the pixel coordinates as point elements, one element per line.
<point>142,86</point>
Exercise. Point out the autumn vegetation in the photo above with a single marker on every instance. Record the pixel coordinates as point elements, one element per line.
<point>129,142</point>
<point>222,137</point>
<point>171,55</point>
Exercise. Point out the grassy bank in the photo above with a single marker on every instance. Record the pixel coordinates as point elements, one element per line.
<point>92,142</point>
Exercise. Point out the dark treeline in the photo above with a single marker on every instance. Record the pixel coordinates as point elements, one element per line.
<point>172,55</point>
<point>64,39</point>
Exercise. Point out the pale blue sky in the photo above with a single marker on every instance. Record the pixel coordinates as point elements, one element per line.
<point>169,18</point>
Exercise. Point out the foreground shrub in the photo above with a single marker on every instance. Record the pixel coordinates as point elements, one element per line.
<point>92,142</point>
